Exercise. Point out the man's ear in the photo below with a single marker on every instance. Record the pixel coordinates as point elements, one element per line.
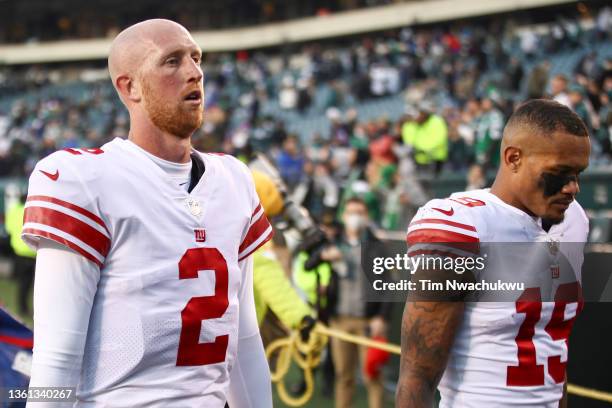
<point>512,158</point>
<point>128,88</point>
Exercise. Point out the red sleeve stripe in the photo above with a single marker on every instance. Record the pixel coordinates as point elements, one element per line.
<point>63,241</point>
<point>445,222</point>
<point>70,206</point>
<point>17,341</point>
<point>255,231</point>
<point>69,225</point>
<point>256,210</point>
<point>268,234</point>
<point>67,212</point>
<point>447,238</point>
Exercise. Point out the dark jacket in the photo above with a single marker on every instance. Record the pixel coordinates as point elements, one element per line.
<point>371,247</point>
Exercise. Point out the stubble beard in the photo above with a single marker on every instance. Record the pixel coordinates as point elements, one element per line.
<point>177,120</point>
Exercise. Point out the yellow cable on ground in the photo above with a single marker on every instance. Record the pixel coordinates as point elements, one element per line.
<point>308,356</point>
<point>362,341</point>
<point>589,393</point>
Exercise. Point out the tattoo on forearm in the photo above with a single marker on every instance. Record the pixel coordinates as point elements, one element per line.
<point>428,331</point>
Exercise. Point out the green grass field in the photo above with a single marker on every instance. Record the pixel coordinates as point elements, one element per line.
<point>8,292</point>
<point>8,299</point>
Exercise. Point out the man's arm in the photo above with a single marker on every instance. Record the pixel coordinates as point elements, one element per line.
<point>64,289</point>
<point>428,332</point>
<point>250,383</point>
<point>563,401</point>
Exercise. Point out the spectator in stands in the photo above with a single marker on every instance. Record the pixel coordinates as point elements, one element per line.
<point>321,193</point>
<point>428,136</point>
<point>288,95</point>
<point>290,161</point>
<point>604,23</point>
<point>514,74</point>
<point>353,314</point>
<point>460,153</point>
<point>304,97</point>
<point>476,178</point>
<point>411,192</point>
<point>558,89</point>
<point>537,81</point>
<point>604,135</point>
<point>488,134</point>
<point>582,107</point>
<point>529,43</point>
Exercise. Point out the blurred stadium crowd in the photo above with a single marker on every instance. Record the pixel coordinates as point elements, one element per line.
<point>369,116</point>
<point>375,116</point>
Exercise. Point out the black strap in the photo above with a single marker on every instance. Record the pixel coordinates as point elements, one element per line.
<point>197,170</point>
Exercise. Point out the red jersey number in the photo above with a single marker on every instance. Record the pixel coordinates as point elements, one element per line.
<point>78,152</point>
<point>190,351</point>
<point>468,201</point>
<point>528,372</point>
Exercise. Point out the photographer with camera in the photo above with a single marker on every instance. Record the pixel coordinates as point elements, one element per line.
<point>353,314</point>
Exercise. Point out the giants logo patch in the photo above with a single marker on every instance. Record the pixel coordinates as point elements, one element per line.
<point>200,234</point>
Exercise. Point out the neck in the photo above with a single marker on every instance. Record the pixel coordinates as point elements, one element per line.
<point>158,142</point>
<point>352,235</point>
<point>507,194</point>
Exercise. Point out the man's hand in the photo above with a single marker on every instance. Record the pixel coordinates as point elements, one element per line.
<point>428,332</point>
<point>308,323</point>
<point>331,254</point>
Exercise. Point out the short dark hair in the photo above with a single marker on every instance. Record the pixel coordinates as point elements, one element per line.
<point>546,116</point>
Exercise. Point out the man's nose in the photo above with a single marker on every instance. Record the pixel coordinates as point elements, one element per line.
<point>573,187</point>
<point>195,73</point>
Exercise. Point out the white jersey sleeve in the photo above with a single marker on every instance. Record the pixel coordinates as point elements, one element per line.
<point>64,291</point>
<point>443,227</point>
<point>62,206</point>
<point>250,384</point>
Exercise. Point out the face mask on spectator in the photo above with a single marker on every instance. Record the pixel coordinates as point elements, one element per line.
<point>354,222</point>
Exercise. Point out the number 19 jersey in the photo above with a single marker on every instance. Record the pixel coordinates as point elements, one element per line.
<point>163,328</point>
<point>507,353</point>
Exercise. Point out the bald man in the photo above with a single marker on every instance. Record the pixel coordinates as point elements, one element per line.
<point>143,294</point>
<point>502,348</point>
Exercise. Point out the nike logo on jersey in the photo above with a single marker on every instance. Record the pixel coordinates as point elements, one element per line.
<point>53,177</point>
<point>445,212</point>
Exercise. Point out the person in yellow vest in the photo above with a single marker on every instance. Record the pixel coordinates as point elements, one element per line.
<point>275,297</point>
<point>25,258</point>
<point>427,134</point>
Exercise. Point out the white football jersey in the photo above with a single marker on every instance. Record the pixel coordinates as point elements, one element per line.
<point>164,324</point>
<point>508,352</point>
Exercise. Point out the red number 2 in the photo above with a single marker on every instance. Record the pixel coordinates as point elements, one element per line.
<point>190,351</point>
<point>528,372</point>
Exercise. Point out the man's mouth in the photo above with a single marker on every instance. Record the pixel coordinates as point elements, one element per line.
<point>194,96</point>
<point>562,203</point>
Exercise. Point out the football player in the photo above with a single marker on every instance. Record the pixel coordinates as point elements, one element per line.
<point>503,353</point>
<point>143,294</point>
